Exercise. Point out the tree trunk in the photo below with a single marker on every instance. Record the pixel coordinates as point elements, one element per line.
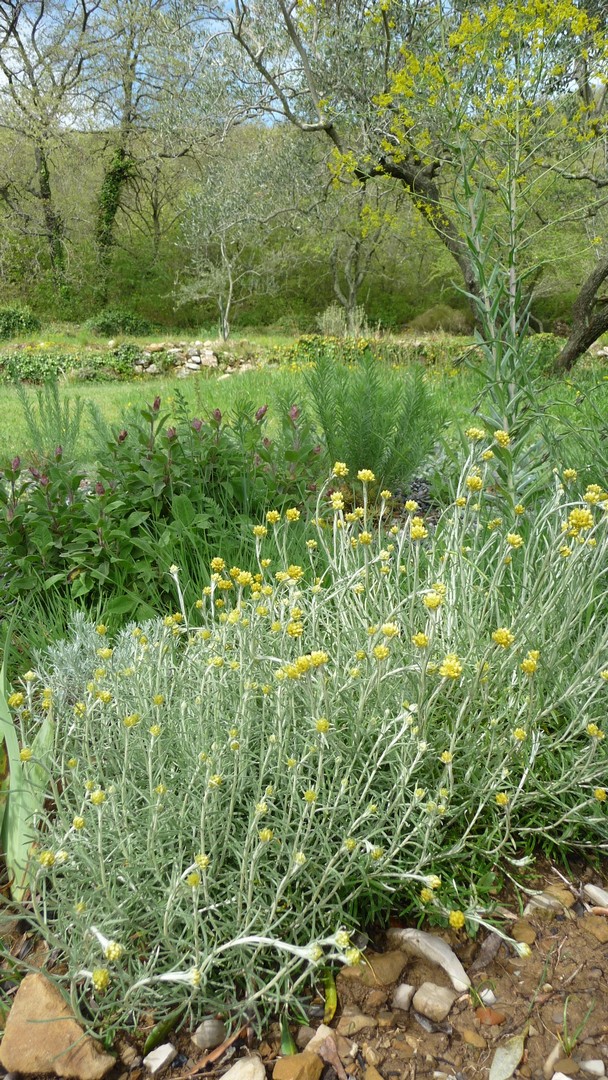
<point>589,318</point>
<point>53,221</point>
<point>114,180</point>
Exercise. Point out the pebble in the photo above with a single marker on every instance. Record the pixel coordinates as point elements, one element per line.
<point>597,926</point>
<point>379,969</point>
<point>304,1035</point>
<point>209,1033</point>
<point>305,1066</point>
<point>523,932</point>
<point>249,1068</point>
<point>488,997</point>
<point>350,1025</point>
<point>593,1067</point>
<point>596,895</point>
<point>434,1001</point>
<point>322,1033</point>
<point>473,1038</point>
<point>551,1061</point>
<point>160,1059</point>
<point>402,996</point>
<point>567,1066</point>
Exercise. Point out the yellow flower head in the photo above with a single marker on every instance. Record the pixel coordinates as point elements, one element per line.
<point>337,500</point>
<point>113,951</point>
<point>193,879</point>
<point>502,799</point>
<point>380,652</point>
<point>503,637</point>
<point>322,725</point>
<point>451,668</point>
<point>260,531</point>
<point>265,836</point>
<point>420,640</point>
<point>14,701</point>
<point>600,794</point>
<point>292,514</point>
<point>432,599</point>
<point>98,797</point>
<point>580,518</point>
<point>411,506</point>
<point>569,474</point>
<point>340,469</point>
<point>78,822</point>
<point>272,517</point>
<point>502,438</point>
<point>202,861</point>
<point>310,795</point>
<point>474,482</point>
<point>366,476</point>
<point>100,977</point>
<point>515,540</point>
<point>475,434</point>
<point>446,757</point>
<point>520,734</point>
<point>456,920</point>
<point>26,753</point>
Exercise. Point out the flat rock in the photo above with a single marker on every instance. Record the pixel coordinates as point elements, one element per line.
<point>377,969</point>
<point>561,893</point>
<point>433,1001</point>
<point>350,1025</point>
<point>593,1067</point>
<point>160,1058</point>
<point>42,1036</point>
<point>249,1068</point>
<point>322,1033</point>
<point>433,948</point>
<point>596,925</point>
<point>402,996</point>
<point>304,1066</point>
<point>567,1066</point>
<point>596,895</point>
<point>371,1073</point>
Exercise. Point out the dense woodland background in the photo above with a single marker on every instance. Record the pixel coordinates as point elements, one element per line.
<point>174,160</point>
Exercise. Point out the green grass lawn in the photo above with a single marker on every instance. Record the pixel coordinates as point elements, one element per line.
<point>579,403</point>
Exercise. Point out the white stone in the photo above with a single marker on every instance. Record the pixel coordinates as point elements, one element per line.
<point>250,1068</point>
<point>151,369</point>
<point>402,997</point>
<point>321,1034</point>
<point>594,1067</point>
<point>488,997</point>
<point>209,1034</point>
<point>160,1059</point>
<point>596,895</point>
<point>434,1001</point>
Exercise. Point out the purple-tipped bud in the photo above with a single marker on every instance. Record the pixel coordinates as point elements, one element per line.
<point>266,443</point>
<point>16,464</point>
<point>44,481</point>
<point>197,424</point>
<point>122,435</point>
<point>316,449</point>
<point>58,453</point>
<point>156,404</point>
<point>171,433</point>
<point>35,473</point>
<point>261,413</point>
<point>217,416</point>
<point>99,488</point>
<point>294,412</point>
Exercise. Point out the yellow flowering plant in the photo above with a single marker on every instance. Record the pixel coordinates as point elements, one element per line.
<point>322,765</point>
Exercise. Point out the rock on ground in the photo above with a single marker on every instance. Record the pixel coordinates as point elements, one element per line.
<point>250,1068</point>
<point>42,1036</point>
<point>305,1066</point>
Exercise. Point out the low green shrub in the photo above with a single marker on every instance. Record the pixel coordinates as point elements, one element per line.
<point>113,321</point>
<point>35,365</point>
<point>160,494</point>
<point>373,415</point>
<point>307,747</point>
<point>436,350</point>
<point>443,317</point>
<point>16,320</point>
